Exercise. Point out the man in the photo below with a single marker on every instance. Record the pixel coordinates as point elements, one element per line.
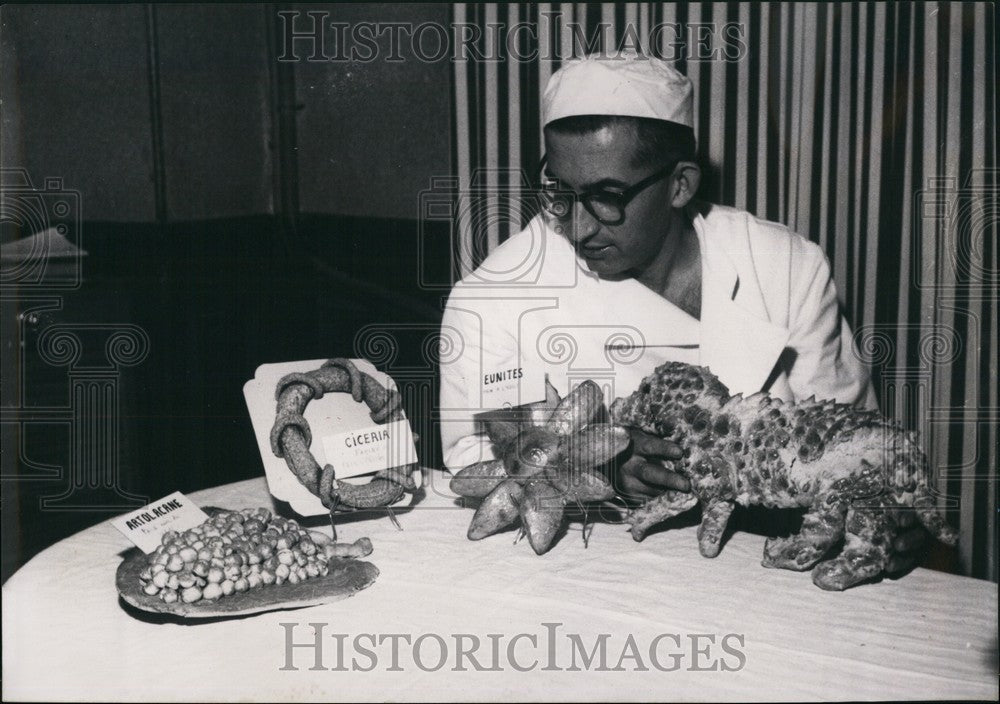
<point>632,271</point>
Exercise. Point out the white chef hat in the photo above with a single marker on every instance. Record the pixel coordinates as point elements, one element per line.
<point>629,85</point>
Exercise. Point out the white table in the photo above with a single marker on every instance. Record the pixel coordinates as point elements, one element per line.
<point>927,636</point>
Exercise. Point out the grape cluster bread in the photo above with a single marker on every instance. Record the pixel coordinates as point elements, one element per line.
<point>242,562</point>
<point>239,550</point>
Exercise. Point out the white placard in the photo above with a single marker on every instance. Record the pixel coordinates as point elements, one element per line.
<point>145,526</point>
<point>370,449</point>
<point>511,387</point>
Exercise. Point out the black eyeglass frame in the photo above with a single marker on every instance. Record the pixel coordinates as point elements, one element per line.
<point>618,199</point>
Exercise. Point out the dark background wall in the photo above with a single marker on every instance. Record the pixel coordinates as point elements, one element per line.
<point>236,210</point>
<point>108,96</point>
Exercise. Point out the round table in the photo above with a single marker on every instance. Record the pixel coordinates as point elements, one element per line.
<point>450,619</point>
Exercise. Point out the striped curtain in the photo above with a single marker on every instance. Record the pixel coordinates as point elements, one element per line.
<point>869,128</point>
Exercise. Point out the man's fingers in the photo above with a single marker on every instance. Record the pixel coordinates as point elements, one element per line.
<point>906,544</point>
<point>900,563</point>
<point>642,479</point>
<point>659,476</point>
<point>627,481</point>
<point>651,446</point>
<point>909,540</point>
<point>631,488</point>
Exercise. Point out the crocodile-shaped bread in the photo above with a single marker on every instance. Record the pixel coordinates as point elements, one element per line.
<point>849,468</point>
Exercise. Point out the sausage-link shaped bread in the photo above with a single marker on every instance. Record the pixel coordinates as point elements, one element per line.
<point>291,436</point>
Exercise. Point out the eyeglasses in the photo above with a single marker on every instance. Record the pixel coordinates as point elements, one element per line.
<point>607,206</point>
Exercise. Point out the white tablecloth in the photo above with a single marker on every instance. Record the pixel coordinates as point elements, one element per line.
<point>770,634</point>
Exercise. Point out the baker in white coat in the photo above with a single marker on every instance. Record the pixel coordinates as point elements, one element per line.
<point>768,320</point>
<point>624,270</point>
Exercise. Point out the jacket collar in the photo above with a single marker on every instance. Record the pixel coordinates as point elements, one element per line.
<point>738,342</point>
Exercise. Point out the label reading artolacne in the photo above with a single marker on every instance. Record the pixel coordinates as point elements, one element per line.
<point>370,449</point>
<point>513,386</point>
<point>145,527</point>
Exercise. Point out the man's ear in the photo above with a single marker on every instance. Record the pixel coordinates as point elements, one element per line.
<point>687,177</point>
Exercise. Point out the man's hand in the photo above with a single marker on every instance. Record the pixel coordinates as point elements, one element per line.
<point>908,543</point>
<point>642,476</point>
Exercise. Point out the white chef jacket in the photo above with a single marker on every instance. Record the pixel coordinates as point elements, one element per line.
<point>769,321</point>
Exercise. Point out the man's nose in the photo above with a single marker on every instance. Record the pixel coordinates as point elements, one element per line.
<point>584,226</point>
